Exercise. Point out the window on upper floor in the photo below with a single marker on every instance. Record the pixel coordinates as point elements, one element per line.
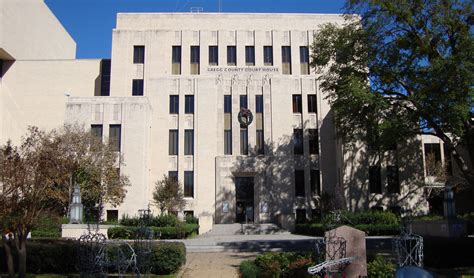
<point>286,59</point>
<point>375,180</point>
<point>260,142</point>
<point>213,55</point>
<point>189,104</point>
<point>173,175</point>
<point>244,141</point>
<point>228,142</point>
<point>393,184</point>
<point>297,104</point>
<point>227,104</point>
<point>137,87</point>
<point>268,55</point>
<point>189,184</point>
<point>258,103</point>
<point>312,108</point>
<point>304,59</point>
<point>138,54</point>
<point>231,55</point>
<point>250,55</point>
<point>189,142</point>
<point>313,141</point>
<point>173,142</point>
<point>115,133</point>
<point>96,131</point>
<point>298,141</point>
<point>243,101</point>
<point>195,59</point>
<point>315,183</point>
<point>176,59</point>
<point>174,104</point>
<point>299,183</point>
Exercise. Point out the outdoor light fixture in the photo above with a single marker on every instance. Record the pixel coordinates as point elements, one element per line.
<point>76,206</point>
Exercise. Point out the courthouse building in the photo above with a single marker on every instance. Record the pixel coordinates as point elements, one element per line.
<point>227,103</point>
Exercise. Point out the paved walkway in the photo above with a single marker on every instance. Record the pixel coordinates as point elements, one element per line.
<point>214,265</point>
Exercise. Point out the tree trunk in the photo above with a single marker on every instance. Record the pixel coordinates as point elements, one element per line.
<point>8,253</point>
<point>22,257</point>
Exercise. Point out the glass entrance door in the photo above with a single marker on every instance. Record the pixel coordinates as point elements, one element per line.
<point>244,199</point>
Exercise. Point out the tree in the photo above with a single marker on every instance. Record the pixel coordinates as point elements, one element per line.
<point>34,177</point>
<point>400,69</point>
<point>168,195</point>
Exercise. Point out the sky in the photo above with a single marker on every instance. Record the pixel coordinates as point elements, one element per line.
<point>90,22</point>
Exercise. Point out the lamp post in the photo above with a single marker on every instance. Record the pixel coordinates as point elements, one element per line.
<point>76,206</point>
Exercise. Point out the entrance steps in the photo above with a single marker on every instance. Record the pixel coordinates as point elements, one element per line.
<point>245,229</point>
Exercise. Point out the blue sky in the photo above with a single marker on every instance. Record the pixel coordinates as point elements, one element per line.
<point>90,22</point>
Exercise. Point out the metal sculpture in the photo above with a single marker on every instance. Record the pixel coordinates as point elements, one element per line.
<point>409,249</point>
<point>143,243</point>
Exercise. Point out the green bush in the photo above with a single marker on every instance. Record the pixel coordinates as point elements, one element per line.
<point>190,219</point>
<point>48,226</point>
<point>380,268</point>
<point>165,220</point>
<point>363,218</point>
<point>168,257</point>
<point>179,231</point>
<point>248,269</point>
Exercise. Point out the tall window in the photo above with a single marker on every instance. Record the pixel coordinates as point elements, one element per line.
<point>299,183</point>
<point>244,141</point>
<point>375,181</point>
<point>189,184</point>
<point>393,184</point>
<point>268,56</point>
<point>260,142</point>
<point>176,60</point>
<point>259,123</point>
<point>313,141</point>
<point>286,59</point>
<point>173,175</point>
<point>137,87</point>
<point>189,142</point>
<point>174,104</point>
<point>195,59</point>
<point>213,55</point>
<point>297,104</point>
<point>304,59</point>
<point>298,141</point>
<point>138,54</point>
<point>114,137</point>
<point>315,183</point>
<point>227,104</point>
<point>96,131</point>
<point>231,55</point>
<point>250,56</point>
<point>258,103</point>
<point>312,108</point>
<point>104,78</point>
<point>243,101</point>
<point>228,142</point>
<point>173,142</point>
<point>189,104</point>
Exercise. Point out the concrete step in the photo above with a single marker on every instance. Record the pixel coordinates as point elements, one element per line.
<point>246,229</point>
<point>252,246</point>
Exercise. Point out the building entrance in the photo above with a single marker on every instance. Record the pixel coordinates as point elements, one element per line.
<point>244,199</point>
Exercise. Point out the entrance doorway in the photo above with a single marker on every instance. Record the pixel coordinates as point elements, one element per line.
<point>244,199</point>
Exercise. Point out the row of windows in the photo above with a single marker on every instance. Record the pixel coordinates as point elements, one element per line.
<point>188,182</point>
<point>314,183</point>
<point>375,179</point>
<point>115,132</point>
<point>188,104</point>
<point>297,101</point>
<point>298,141</point>
<point>243,103</point>
<point>188,142</point>
<point>195,58</point>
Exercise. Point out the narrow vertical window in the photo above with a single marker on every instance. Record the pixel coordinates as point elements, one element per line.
<point>213,55</point>
<point>137,87</point>
<point>173,142</point>
<point>173,175</point>
<point>268,56</point>
<point>286,59</point>
<point>299,183</point>
<point>176,60</point>
<point>104,78</point>
<point>297,104</point>
<point>304,59</point>
<point>195,59</point>
<point>260,142</point>
<point>313,141</point>
<point>315,183</point>
<point>244,141</point>
<point>259,124</point>
<point>189,104</point>
<point>375,181</point>
<point>393,184</point>
<point>227,104</point>
<point>312,108</point>
<point>189,142</point>
<point>115,137</point>
<point>250,56</point>
<point>243,101</point>
<point>227,142</point>
<point>138,54</point>
<point>96,131</point>
<point>259,104</point>
<point>189,184</point>
<point>231,55</point>
<point>298,141</point>
<point>174,104</point>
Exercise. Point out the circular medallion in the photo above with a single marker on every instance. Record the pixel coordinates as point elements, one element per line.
<point>245,117</point>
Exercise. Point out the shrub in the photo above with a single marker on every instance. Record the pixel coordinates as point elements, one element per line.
<point>248,269</point>
<point>48,226</point>
<point>363,218</point>
<point>380,268</point>
<point>283,264</point>
<point>168,257</point>
<point>164,220</point>
<point>180,231</point>
<point>191,219</point>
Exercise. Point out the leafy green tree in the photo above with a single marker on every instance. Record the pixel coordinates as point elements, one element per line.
<point>401,68</point>
<point>168,195</point>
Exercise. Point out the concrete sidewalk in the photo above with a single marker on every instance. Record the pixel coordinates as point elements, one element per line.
<point>214,265</point>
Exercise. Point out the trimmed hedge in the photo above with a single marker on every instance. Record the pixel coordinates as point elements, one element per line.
<point>278,264</point>
<point>60,257</point>
<point>179,231</point>
<point>318,229</point>
<point>165,220</point>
